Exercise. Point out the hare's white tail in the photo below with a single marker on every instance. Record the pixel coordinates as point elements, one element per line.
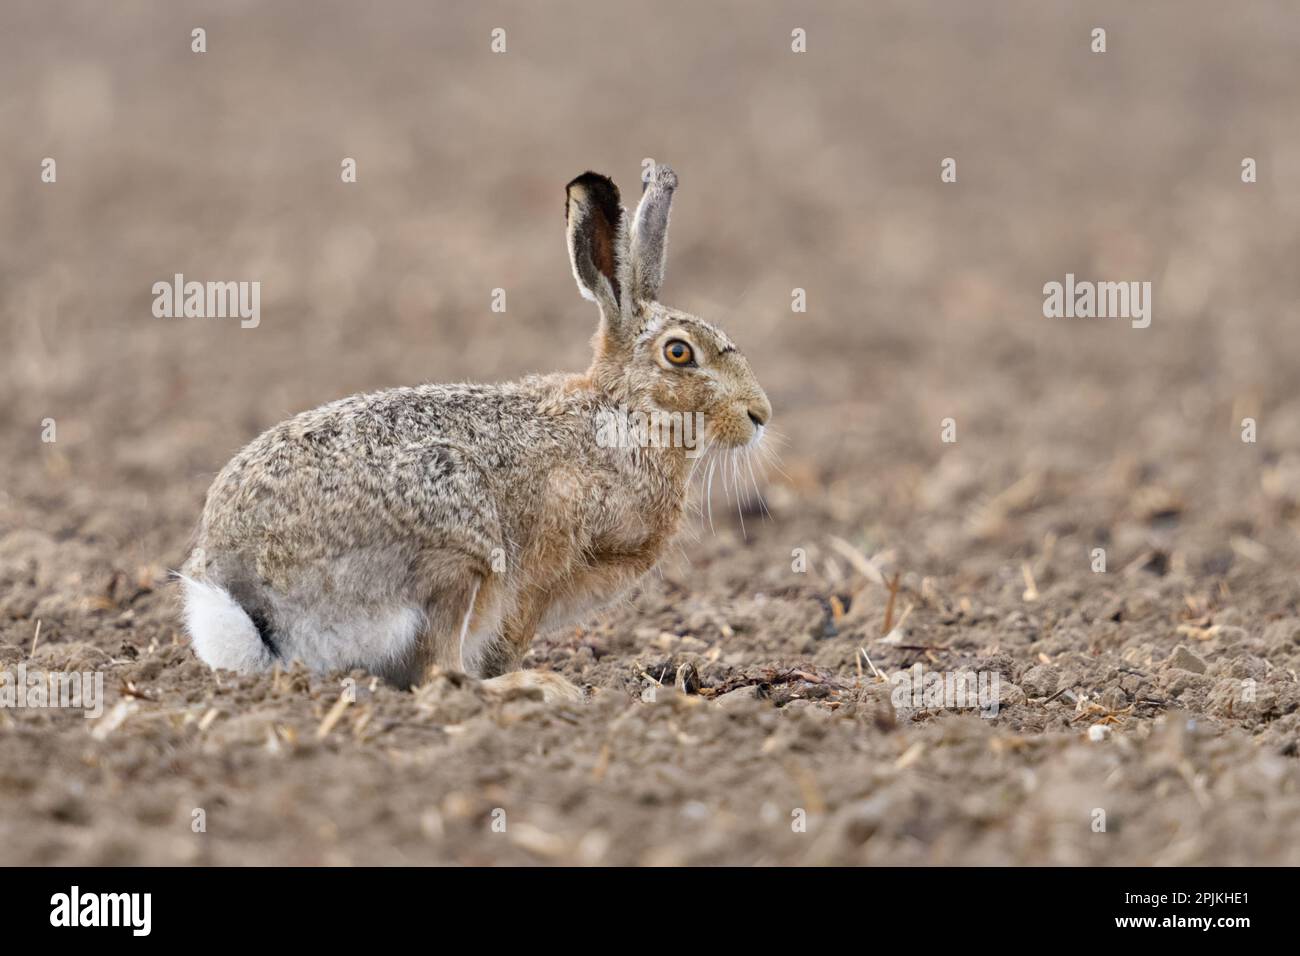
<point>223,633</point>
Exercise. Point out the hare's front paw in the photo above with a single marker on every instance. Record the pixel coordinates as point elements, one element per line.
<point>553,686</point>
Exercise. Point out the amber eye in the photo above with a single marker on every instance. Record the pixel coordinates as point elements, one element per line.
<point>679,353</point>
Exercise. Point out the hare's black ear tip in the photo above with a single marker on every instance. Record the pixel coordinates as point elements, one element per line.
<point>592,182</point>
<point>596,189</point>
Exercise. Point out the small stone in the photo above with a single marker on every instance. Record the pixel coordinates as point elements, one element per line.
<point>1009,694</point>
<point>1283,634</point>
<point>1229,616</point>
<point>1184,659</point>
<point>1040,681</point>
<point>1114,699</point>
<point>1229,635</point>
<point>858,821</point>
<point>801,705</point>
<point>1098,732</point>
<point>741,696</point>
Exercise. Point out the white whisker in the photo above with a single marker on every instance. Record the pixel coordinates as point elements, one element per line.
<point>740,511</point>
<point>708,494</point>
<point>749,463</point>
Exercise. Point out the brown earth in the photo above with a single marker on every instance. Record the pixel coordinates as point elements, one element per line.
<point>817,171</point>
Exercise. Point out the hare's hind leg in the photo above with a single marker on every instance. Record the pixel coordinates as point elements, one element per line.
<point>552,685</point>
<point>503,658</point>
<point>445,639</point>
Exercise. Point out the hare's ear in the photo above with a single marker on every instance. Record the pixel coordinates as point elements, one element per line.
<point>598,244</point>
<point>650,234</point>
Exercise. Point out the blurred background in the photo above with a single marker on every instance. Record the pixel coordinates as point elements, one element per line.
<point>817,171</point>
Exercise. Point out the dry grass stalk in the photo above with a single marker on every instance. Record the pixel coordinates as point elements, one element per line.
<point>1031,586</point>
<point>861,563</point>
<point>889,606</point>
<point>333,717</point>
<point>863,651</point>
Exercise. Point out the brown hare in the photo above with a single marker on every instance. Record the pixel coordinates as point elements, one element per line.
<point>443,525</point>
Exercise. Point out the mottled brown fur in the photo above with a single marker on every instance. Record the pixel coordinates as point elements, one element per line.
<point>485,511</point>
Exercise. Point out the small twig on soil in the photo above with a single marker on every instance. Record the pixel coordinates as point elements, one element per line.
<point>769,676</point>
<point>35,638</point>
<point>802,675</point>
<point>687,679</point>
<point>861,563</point>
<point>128,689</point>
<point>333,717</point>
<point>889,606</point>
<point>1065,689</point>
<point>1104,714</point>
<point>362,722</point>
<point>1031,586</point>
<point>863,652</point>
<point>602,763</point>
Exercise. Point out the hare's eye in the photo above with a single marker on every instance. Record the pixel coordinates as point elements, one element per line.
<point>679,353</point>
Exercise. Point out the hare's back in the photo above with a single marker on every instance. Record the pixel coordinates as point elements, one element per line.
<point>387,473</point>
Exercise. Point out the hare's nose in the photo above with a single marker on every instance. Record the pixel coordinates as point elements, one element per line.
<point>760,414</point>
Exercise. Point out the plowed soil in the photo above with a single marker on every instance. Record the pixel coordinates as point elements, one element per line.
<point>1149,712</point>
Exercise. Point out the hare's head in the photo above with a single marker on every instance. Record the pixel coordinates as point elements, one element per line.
<point>646,353</point>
